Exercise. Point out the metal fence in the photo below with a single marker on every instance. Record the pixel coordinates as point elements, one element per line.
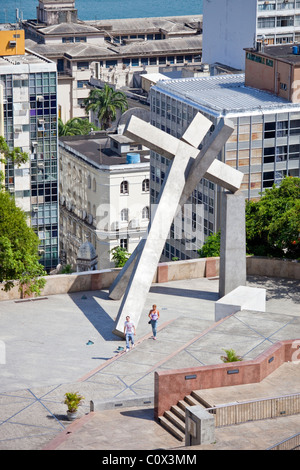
<point>254,410</point>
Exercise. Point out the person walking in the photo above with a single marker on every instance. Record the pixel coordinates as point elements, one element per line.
<point>129,331</point>
<point>154,316</point>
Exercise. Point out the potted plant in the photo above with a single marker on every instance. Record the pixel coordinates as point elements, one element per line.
<point>73,400</point>
<point>231,356</point>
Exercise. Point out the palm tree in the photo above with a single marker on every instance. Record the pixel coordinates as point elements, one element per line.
<point>105,102</point>
<point>75,126</point>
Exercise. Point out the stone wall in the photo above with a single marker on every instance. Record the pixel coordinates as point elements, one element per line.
<point>171,386</point>
<point>172,271</point>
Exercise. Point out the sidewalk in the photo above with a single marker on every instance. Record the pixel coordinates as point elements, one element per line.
<point>49,352</point>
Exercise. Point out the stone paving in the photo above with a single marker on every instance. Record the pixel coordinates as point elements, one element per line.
<point>65,343</point>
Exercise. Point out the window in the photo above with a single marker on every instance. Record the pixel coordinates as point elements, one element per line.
<point>145,213</point>
<point>145,185</point>
<point>124,243</point>
<point>283,21</point>
<point>82,83</point>
<point>83,65</point>
<point>124,215</point>
<point>124,187</point>
<point>266,22</point>
<point>67,40</point>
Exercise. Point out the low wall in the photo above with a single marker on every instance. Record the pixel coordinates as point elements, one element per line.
<point>272,267</point>
<point>171,386</point>
<point>172,271</point>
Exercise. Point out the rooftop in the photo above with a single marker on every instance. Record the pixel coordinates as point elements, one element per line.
<point>97,150</point>
<point>223,95</point>
<point>284,52</point>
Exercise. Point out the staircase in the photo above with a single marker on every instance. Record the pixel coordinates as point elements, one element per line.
<point>174,419</point>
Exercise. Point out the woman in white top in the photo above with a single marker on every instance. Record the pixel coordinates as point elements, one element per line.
<point>154,316</point>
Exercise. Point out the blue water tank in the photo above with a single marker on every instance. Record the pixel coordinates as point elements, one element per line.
<point>133,158</point>
<point>295,49</point>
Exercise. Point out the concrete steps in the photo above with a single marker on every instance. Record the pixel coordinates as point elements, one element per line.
<point>173,420</point>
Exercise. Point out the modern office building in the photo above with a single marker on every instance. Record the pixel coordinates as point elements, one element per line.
<point>104,195</point>
<point>29,110</point>
<point>265,144</point>
<point>231,25</point>
<point>108,51</point>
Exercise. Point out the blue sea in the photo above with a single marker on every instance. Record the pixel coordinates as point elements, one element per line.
<point>107,9</point>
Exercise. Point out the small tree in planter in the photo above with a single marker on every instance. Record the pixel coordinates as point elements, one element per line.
<point>73,400</point>
<point>231,356</point>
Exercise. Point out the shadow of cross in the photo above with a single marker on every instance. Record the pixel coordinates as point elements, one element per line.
<point>188,167</point>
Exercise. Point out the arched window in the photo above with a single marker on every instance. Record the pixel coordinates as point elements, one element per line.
<point>145,185</point>
<point>124,187</point>
<point>124,215</point>
<point>145,213</point>
<point>94,185</point>
<point>89,182</point>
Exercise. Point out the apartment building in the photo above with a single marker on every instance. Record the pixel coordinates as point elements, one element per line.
<point>29,121</point>
<point>104,195</point>
<point>231,25</point>
<point>109,51</point>
<point>265,144</point>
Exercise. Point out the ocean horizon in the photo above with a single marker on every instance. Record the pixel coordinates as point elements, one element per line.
<point>106,9</point>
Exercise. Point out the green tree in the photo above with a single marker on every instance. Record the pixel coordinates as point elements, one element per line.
<point>105,103</point>
<point>211,246</point>
<point>75,126</point>
<point>19,258</point>
<point>16,155</point>
<point>273,222</point>
<point>119,256</point>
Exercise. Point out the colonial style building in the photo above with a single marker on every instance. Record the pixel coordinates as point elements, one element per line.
<point>104,195</point>
<point>109,51</point>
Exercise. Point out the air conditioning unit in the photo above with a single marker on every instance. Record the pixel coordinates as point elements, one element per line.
<point>35,209</point>
<point>40,98</point>
<point>18,130</point>
<point>12,43</point>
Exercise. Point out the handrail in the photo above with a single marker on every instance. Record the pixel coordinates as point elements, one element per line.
<point>291,443</point>
<point>254,410</point>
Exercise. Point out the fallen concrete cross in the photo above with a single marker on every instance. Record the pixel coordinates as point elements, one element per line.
<point>188,167</point>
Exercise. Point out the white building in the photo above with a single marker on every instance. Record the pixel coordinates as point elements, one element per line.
<point>104,195</point>
<point>231,25</point>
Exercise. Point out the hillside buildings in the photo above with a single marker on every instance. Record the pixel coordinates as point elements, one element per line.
<point>28,119</point>
<point>104,195</point>
<point>265,145</point>
<point>231,25</point>
<point>111,51</point>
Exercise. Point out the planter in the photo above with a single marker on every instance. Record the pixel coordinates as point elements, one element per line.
<point>72,415</point>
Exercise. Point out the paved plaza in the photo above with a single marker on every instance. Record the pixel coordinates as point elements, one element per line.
<point>65,343</point>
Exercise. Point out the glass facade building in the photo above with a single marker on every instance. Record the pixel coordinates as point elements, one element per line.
<point>265,147</point>
<point>29,86</point>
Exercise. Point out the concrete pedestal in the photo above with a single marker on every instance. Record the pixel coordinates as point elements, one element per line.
<point>199,426</point>
<point>233,242</point>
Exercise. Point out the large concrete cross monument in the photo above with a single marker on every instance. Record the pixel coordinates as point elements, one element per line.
<point>189,165</point>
